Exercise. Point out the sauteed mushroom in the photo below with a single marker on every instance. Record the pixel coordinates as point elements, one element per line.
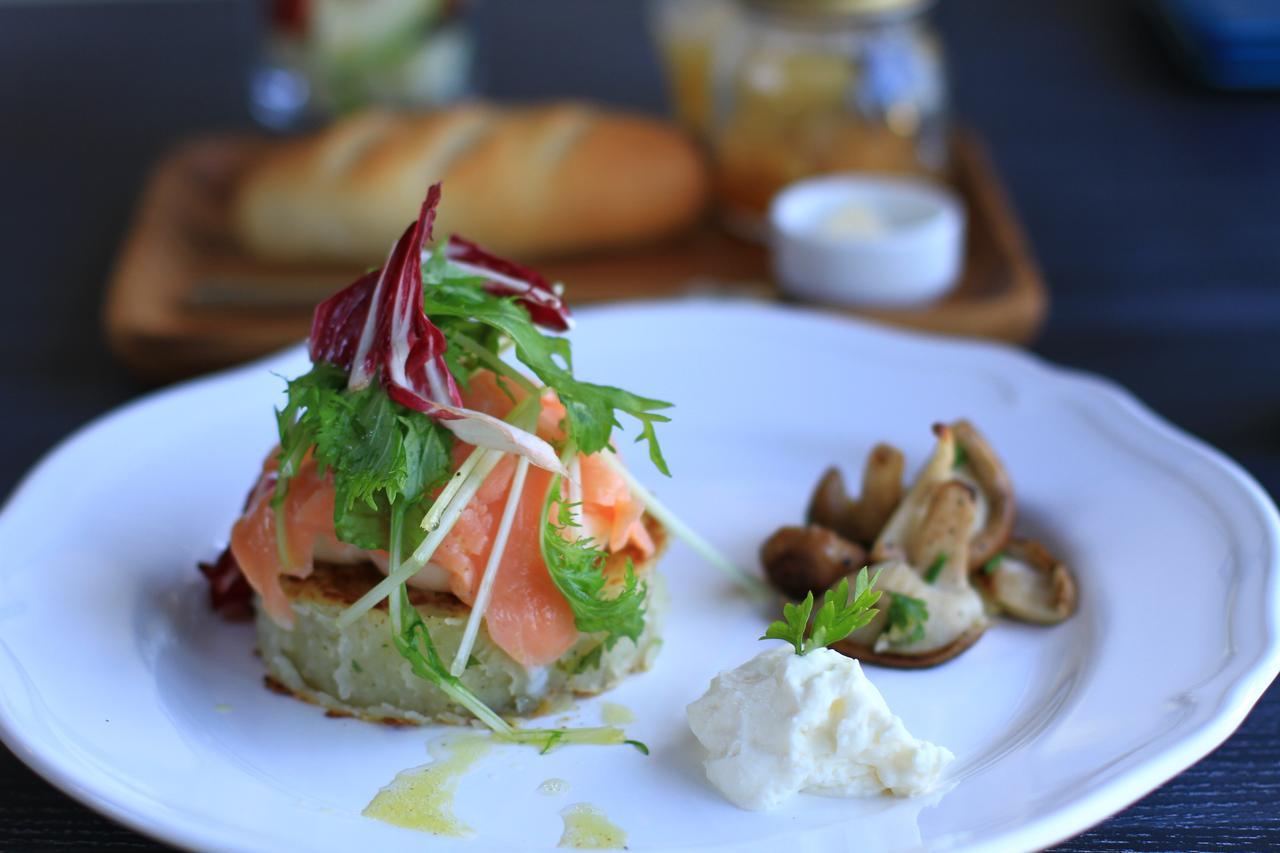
<point>800,560</point>
<point>862,519</point>
<point>891,543</point>
<point>896,660</point>
<point>1030,584</point>
<point>961,455</point>
<point>943,552</point>
<point>978,465</point>
<point>931,612</point>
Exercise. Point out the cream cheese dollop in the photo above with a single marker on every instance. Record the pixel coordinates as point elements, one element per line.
<point>783,723</point>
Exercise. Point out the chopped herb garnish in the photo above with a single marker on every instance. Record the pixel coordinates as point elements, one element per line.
<point>961,457</point>
<point>839,616</point>
<point>935,568</point>
<point>907,616</point>
<point>990,567</point>
<point>552,739</point>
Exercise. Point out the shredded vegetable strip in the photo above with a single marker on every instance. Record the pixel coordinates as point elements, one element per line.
<point>574,466</point>
<point>448,518</point>
<point>416,647</point>
<point>282,536</point>
<point>481,602</point>
<point>440,519</point>
<point>754,586</point>
<point>393,562</point>
<point>431,520</point>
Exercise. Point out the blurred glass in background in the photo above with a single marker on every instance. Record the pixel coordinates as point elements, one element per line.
<point>325,57</point>
<point>780,90</point>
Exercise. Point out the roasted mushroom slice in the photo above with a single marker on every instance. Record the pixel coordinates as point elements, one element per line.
<point>978,465</point>
<point>930,611</point>
<point>1030,584</point>
<point>961,455</point>
<point>800,560</point>
<point>891,543</point>
<point>862,519</point>
<point>851,647</point>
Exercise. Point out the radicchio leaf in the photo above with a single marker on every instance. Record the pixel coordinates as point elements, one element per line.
<point>230,595</point>
<point>376,327</point>
<point>507,278</point>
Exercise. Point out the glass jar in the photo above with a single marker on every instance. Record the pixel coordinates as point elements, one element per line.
<point>687,32</point>
<point>806,87</point>
<point>326,57</point>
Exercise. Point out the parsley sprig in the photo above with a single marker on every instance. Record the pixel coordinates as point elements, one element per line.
<point>839,616</point>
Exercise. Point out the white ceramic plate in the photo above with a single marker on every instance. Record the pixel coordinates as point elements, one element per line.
<point>119,686</point>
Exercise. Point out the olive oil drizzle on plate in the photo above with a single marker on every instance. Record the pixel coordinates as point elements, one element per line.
<point>421,798</point>
<point>587,828</point>
<point>614,714</point>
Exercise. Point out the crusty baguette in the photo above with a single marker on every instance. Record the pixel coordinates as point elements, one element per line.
<point>356,671</point>
<point>527,182</point>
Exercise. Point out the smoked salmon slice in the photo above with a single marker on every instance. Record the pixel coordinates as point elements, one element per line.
<point>308,514</point>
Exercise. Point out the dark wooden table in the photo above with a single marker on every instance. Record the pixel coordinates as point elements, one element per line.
<point>1154,207</point>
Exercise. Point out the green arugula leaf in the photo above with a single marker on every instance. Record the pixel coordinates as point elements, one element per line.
<point>305,394</point>
<point>576,567</point>
<point>840,614</point>
<point>907,616</point>
<point>456,304</point>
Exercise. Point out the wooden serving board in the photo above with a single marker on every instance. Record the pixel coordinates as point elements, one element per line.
<point>185,298</point>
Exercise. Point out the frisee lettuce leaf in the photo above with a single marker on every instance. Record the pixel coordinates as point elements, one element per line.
<point>381,453</point>
<point>576,567</point>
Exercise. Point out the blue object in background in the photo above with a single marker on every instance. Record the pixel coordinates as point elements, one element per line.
<point>1227,44</point>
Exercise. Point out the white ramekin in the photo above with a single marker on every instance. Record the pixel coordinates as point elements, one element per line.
<point>912,256</point>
